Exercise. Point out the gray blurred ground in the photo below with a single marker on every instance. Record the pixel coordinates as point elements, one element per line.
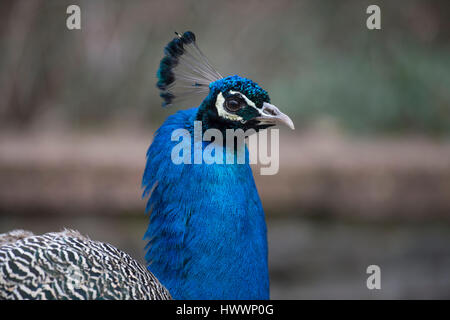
<point>364,179</point>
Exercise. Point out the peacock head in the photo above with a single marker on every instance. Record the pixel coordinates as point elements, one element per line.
<point>235,102</point>
<point>232,102</point>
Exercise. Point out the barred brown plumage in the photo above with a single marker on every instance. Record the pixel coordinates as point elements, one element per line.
<point>67,265</point>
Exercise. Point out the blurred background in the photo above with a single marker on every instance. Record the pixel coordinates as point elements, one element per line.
<point>364,179</point>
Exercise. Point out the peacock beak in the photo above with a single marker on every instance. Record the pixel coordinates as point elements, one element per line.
<point>270,114</point>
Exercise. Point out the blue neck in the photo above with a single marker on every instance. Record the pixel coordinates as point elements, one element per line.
<point>207,232</point>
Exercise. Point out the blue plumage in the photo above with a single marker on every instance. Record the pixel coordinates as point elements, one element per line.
<point>207,231</point>
<point>207,234</point>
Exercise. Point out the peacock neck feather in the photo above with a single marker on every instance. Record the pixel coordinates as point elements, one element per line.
<point>207,232</point>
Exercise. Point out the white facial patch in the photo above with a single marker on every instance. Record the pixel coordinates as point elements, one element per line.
<point>230,116</point>
<point>222,112</point>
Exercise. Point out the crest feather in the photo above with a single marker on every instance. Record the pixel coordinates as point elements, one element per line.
<point>184,70</point>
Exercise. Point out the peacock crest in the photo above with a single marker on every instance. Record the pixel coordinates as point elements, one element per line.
<point>184,70</point>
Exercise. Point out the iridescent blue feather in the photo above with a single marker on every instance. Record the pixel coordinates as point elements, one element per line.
<point>207,233</point>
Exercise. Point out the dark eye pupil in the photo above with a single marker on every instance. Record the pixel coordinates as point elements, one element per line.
<point>233,105</point>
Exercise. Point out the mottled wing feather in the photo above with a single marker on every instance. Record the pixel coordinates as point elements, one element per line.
<point>67,265</point>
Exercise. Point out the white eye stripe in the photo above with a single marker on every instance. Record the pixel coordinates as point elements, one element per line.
<point>247,100</point>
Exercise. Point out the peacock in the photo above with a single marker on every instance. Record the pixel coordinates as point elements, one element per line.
<point>207,235</point>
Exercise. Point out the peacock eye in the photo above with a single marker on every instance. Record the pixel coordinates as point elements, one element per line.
<point>234,104</point>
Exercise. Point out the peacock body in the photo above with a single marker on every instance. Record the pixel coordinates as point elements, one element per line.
<point>207,233</point>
